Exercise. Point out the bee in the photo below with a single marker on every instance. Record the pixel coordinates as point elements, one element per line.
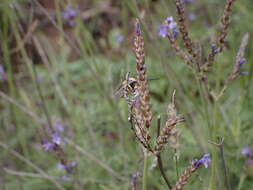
<point>127,88</point>
<point>128,91</point>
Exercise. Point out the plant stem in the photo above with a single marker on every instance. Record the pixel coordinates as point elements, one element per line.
<point>159,159</point>
<point>213,181</point>
<point>145,166</point>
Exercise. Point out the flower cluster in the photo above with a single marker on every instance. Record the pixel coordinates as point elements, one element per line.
<point>69,16</point>
<point>169,26</point>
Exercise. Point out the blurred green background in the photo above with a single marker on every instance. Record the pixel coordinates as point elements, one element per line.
<point>65,71</point>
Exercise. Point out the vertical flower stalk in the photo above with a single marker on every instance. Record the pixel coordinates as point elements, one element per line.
<point>143,112</point>
<point>220,41</point>
<point>183,28</point>
<point>225,24</point>
<point>183,179</point>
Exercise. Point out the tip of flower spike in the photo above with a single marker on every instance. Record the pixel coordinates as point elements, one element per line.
<point>137,27</point>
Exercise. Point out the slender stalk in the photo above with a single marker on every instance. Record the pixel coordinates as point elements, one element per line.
<point>43,102</point>
<point>145,169</point>
<point>176,162</point>
<point>228,187</point>
<point>213,180</point>
<point>159,159</point>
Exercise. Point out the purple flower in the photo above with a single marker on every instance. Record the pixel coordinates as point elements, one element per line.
<point>65,178</point>
<point>192,16</point>
<point>247,152</point>
<point>169,19</point>
<point>59,127</point>
<point>69,14</point>
<point>249,162</point>
<point>205,160</point>
<point>73,164</point>
<point>168,26</point>
<point>61,166</point>
<point>241,62</point>
<point>47,145</point>
<point>244,73</point>
<point>3,75</point>
<point>1,69</point>
<point>69,167</point>
<point>56,138</point>
<point>187,1</point>
<point>175,33</point>
<point>215,50</point>
<point>137,29</point>
<point>120,38</point>
<point>163,30</point>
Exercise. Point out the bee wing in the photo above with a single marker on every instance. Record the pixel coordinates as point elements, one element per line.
<point>119,91</point>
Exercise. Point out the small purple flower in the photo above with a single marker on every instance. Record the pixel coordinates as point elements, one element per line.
<point>137,29</point>
<point>47,145</point>
<point>242,61</point>
<point>69,14</point>
<point>187,1</point>
<point>192,16</point>
<point>59,126</point>
<point>163,30</point>
<point>3,75</point>
<point>247,152</point>
<point>73,164</point>
<point>205,160</point>
<point>1,69</point>
<point>244,73</point>
<point>120,38</point>
<point>169,19</point>
<point>175,33</point>
<point>248,162</point>
<point>56,138</point>
<point>40,78</point>
<point>168,26</point>
<point>60,166</point>
<point>172,25</point>
<point>215,50</point>
<point>65,178</point>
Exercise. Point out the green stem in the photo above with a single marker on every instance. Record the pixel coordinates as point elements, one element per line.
<point>145,166</point>
<point>214,130</point>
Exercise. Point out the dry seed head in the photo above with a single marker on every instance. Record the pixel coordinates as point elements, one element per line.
<point>183,179</point>
<point>142,82</point>
<point>169,133</point>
